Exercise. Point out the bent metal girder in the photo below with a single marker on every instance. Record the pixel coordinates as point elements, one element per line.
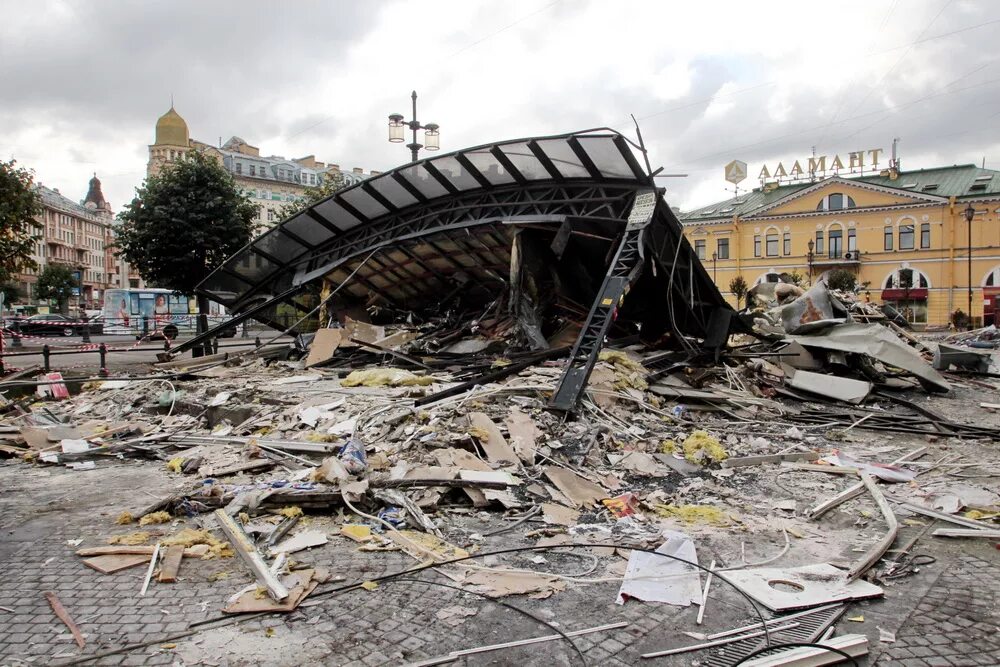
<point>584,180</point>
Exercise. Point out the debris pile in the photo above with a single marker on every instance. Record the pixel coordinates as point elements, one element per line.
<point>407,443</point>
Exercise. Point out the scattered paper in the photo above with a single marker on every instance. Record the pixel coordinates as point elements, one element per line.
<point>652,578</point>
<point>74,446</point>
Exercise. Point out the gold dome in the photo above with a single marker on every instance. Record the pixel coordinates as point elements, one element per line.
<point>171,130</point>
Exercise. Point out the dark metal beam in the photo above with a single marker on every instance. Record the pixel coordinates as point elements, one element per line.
<point>549,166</point>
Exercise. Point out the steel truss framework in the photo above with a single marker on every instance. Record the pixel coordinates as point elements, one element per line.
<point>467,200</point>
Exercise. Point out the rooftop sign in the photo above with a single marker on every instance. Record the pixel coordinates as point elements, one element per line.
<point>820,166</point>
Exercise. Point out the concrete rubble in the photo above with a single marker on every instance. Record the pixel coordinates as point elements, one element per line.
<point>368,446</point>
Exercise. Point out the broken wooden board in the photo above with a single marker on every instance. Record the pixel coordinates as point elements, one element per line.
<point>116,562</point>
<point>744,461</point>
<point>465,460</point>
<point>494,444</point>
<point>523,435</point>
<point>251,557</point>
<point>305,539</point>
<point>324,344</point>
<point>247,466</point>
<point>196,551</point>
<point>171,564</point>
<point>559,515</point>
<point>299,584</point>
<point>578,490</point>
<point>497,583</point>
<point>423,546</point>
<point>430,496</point>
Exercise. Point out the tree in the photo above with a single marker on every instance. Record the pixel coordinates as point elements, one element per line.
<point>842,280</point>
<point>183,223</point>
<point>738,286</point>
<point>19,204</point>
<point>57,282</point>
<point>793,278</point>
<point>11,293</point>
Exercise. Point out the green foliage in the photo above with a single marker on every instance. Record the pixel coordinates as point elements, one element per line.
<point>738,286</point>
<point>332,181</point>
<point>841,279</point>
<point>184,222</point>
<point>11,294</point>
<point>19,204</point>
<point>960,320</point>
<point>793,278</point>
<point>56,281</point>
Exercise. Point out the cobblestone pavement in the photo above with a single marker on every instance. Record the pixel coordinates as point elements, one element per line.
<point>44,510</point>
<point>956,623</point>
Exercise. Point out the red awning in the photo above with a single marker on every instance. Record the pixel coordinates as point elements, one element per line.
<point>915,294</point>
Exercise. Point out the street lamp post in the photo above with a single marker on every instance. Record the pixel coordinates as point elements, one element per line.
<point>715,275</point>
<point>432,135</point>
<point>970,213</point>
<point>809,259</point>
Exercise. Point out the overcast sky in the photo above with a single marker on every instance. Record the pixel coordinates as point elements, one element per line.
<point>82,82</point>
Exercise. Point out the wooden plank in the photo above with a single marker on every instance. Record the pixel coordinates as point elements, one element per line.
<point>247,466</point>
<point>65,618</point>
<point>523,435</point>
<point>251,556</point>
<point>116,562</point>
<point>171,563</point>
<point>299,583</point>
<point>815,467</point>
<point>197,551</point>
<point>324,344</point>
<point>577,490</point>
<point>494,444</point>
<point>743,461</point>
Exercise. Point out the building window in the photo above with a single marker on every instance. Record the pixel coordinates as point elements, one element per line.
<point>281,174</point>
<point>787,243</point>
<point>836,236</point>
<point>239,168</point>
<point>835,202</point>
<point>722,249</point>
<point>312,179</point>
<point>253,170</point>
<point>925,235</point>
<point>906,237</point>
<point>699,248</point>
<point>756,246</point>
<point>270,215</point>
<point>819,243</point>
<point>852,240</point>
<point>772,245</point>
<point>888,238</point>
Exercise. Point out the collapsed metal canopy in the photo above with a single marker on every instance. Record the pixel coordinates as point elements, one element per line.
<point>578,208</point>
<point>400,201</point>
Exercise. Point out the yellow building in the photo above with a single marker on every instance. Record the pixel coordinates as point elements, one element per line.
<point>271,182</point>
<point>876,226</point>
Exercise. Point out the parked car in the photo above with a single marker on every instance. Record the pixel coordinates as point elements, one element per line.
<point>54,325</point>
<point>96,324</point>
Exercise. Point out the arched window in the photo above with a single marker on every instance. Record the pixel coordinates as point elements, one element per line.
<point>906,276</point>
<point>771,276</point>
<point>992,278</point>
<point>835,201</point>
<point>772,244</point>
<point>835,241</point>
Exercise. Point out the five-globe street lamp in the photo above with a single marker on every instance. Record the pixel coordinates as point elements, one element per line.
<point>397,125</point>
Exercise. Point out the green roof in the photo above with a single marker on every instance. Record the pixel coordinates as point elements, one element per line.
<point>966,180</point>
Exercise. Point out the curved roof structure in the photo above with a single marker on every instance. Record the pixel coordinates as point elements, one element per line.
<point>556,230</point>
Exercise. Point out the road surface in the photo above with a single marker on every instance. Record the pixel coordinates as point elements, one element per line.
<point>70,356</point>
